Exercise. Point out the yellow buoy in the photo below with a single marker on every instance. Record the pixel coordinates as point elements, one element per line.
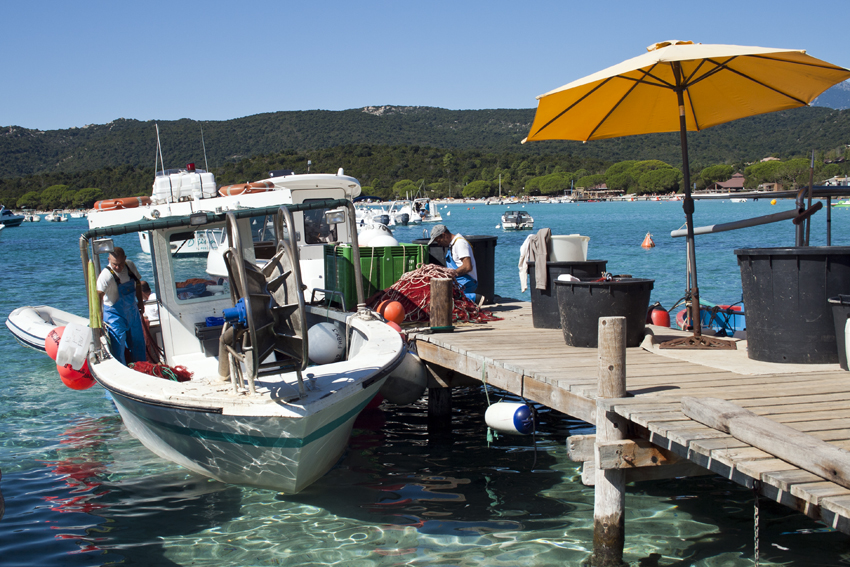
<point>773,201</point>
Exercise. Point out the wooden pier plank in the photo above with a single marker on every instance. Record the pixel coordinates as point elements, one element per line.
<point>537,364</point>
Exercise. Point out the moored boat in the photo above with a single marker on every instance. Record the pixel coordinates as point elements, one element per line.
<point>253,413</point>
<point>8,218</point>
<point>30,325</point>
<point>517,220</point>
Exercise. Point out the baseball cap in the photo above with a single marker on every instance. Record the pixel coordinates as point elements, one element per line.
<point>436,232</point>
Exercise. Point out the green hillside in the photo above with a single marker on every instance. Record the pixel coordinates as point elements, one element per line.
<point>384,145</point>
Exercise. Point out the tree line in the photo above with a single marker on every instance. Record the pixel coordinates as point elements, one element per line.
<point>392,172</point>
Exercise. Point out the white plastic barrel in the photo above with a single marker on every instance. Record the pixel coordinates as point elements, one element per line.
<point>568,248</point>
<point>208,185</point>
<point>74,346</point>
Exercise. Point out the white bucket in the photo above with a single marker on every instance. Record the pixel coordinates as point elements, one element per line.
<point>568,248</point>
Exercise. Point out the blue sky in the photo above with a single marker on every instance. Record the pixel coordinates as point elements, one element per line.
<point>67,64</point>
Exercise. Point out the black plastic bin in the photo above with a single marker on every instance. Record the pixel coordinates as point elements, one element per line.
<point>544,302</point>
<point>786,293</point>
<point>840,314</point>
<point>582,303</point>
<point>484,251</point>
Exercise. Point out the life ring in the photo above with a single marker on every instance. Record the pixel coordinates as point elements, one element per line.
<point>246,188</point>
<point>122,203</point>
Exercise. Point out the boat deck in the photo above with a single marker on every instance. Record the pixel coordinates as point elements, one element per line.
<point>535,363</point>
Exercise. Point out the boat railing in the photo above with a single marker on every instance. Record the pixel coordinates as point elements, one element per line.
<point>798,216</point>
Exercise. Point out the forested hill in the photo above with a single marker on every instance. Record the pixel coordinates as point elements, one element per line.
<point>126,142</point>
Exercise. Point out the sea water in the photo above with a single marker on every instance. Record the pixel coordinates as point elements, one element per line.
<point>80,490</point>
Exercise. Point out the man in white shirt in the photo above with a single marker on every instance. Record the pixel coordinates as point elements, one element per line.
<point>459,258</point>
<point>116,287</point>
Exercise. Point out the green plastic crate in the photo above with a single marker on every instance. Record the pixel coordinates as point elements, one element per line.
<point>381,267</point>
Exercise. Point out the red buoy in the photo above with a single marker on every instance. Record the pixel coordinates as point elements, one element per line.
<point>394,325</point>
<point>51,341</point>
<point>76,379</point>
<point>647,241</point>
<point>660,317</point>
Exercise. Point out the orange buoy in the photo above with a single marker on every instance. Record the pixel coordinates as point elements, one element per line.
<point>394,311</point>
<point>123,203</point>
<point>647,241</point>
<point>246,188</point>
<point>394,325</point>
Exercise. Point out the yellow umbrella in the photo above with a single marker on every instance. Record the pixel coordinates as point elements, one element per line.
<point>681,86</point>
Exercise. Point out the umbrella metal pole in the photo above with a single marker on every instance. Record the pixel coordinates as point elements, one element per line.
<point>697,340</point>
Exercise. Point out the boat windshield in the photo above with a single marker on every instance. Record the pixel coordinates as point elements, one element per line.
<point>316,227</point>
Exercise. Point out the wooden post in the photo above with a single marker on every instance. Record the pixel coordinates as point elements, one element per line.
<point>609,495</point>
<point>439,411</point>
<point>441,302</point>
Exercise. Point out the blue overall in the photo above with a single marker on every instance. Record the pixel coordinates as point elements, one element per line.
<point>124,324</point>
<point>468,284</point>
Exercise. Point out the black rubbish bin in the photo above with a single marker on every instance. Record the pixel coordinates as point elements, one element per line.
<point>484,251</point>
<point>786,293</point>
<point>582,303</point>
<point>544,302</point>
<point>840,315</point>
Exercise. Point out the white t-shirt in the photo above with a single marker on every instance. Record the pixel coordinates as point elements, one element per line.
<point>461,248</point>
<point>106,283</point>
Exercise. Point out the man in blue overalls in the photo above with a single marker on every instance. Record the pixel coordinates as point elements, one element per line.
<point>459,258</point>
<point>116,287</point>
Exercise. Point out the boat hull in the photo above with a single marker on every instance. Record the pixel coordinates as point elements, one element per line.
<point>285,454</point>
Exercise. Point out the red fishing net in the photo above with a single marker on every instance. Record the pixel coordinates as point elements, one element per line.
<point>176,373</point>
<point>413,291</point>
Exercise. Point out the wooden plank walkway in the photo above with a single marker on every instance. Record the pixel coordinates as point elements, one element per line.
<point>536,364</point>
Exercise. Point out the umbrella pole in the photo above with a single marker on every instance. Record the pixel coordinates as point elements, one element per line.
<point>697,340</point>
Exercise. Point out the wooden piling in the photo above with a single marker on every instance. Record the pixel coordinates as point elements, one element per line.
<point>441,302</point>
<point>609,494</point>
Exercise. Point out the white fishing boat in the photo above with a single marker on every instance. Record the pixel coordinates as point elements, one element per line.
<point>183,184</point>
<point>738,199</point>
<point>402,213</point>
<point>517,220</point>
<point>10,219</point>
<point>77,214</point>
<point>253,412</point>
<point>427,210</point>
<point>31,325</point>
<point>30,216</point>
<point>56,216</point>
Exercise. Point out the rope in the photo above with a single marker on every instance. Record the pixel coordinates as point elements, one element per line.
<point>756,485</point>
<point>175,373</point>
<point>413,291</point>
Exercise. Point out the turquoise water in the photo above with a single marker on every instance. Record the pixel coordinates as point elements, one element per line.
<point>79,490</point>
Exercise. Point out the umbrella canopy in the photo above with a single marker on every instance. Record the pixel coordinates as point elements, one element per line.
<point>719,83</point>
<point>680,85</point>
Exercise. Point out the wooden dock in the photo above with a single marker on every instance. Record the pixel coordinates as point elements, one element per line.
<point>537,365</point>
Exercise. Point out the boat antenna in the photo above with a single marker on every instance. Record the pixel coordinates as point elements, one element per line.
<point>206,165</point>
<point>162,161</point>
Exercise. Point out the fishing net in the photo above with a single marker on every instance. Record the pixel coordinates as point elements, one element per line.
<point>175,373</point>
<point>413,291</point>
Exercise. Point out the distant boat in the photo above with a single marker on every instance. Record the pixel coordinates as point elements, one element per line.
<point>56,216</point>
<point>517,220</point>
<point>427,210</point>
<point>738,199</point>
<point>8,218</point>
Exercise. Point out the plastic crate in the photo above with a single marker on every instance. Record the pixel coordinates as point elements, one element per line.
<point>381,267</point>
